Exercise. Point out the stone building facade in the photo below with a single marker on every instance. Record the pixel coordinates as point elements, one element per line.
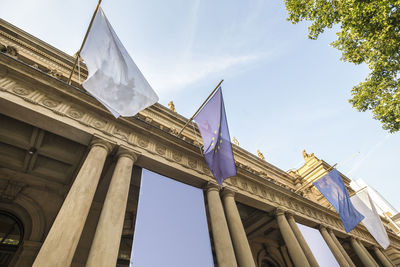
<point>66,168</point>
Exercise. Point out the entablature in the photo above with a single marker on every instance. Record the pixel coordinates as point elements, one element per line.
<point>153,133</point>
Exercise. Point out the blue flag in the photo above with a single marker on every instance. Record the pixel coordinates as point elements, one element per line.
<point>216,140</point>
<point>334,190</point>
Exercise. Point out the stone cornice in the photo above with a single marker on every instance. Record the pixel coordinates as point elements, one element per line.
<point>35,49</point>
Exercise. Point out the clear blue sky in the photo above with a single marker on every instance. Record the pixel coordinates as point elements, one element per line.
<point>283,93</point>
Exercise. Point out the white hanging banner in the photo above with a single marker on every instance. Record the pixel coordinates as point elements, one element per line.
<point>363,203</point>
<point>114,79</point>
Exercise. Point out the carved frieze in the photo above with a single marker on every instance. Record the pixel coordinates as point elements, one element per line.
<point>21,90</point>
<point>161,149</point>
<point>75,113</point>
<point>9,49</point>
<point>241,183</point>
<point>177,156</point>
<point>192,162</point>
<point>30,51</point>
<point>51,103</point>
<point>99,124</point>
<point>121,133</point>
<point>206,170</point>
<point>143,141</point>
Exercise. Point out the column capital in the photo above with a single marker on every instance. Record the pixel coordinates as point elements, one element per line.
<point>322,227</point>
<point>289,215</point>
<point>210,186</point>
<point>329,230</point>
<point>96,141</point>
<point>354,238</point>
<point>279,212</point>
<point>227,192</point>
<point>125,152</point>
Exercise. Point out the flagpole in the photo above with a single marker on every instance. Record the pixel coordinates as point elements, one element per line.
<point>327,171</point>
<point>358,191</point>
<point>197,111</point>
<point>84,41</point>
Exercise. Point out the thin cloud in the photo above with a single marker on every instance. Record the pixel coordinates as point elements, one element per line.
<point>188,72</point>
<point>358,164</point>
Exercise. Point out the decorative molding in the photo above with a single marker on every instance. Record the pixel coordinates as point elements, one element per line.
<point>177,156</point>
<point>257,184</point>
<point>51,103</point>
<point>56,66</point>
<point>161,149</point>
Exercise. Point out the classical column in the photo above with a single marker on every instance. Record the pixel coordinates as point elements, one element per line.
<point>342,250</point>
<point>59,247</point>
<point>382,257</point>
<point>105,245</point>
<point>295,251</point>
<point>222,240</point>
<point>335,250</point>
<point>386,256</point>
<point>367,252</point>
<point>285,256</point>
<point>238,235</point>
<point>307,251</point>
<point>361,254</point>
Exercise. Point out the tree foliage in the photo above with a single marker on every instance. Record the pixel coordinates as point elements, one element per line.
<point>369,33</point>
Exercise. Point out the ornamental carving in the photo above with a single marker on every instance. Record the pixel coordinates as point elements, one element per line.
<point>123,134</point>
<point>206,170</point>
<point>10,50</point>
<point>171,106</point>
<point>55,73</point>
<point>99,124</point>
<point>177,156</point>
<point>173,130</point>
<point>271,196</point>
<point>192,163</point>
<point>254,188</point>
<point>75,113</point>
<point>143,141</point>
<point>160,149</point>
<point>51,103</point>
<point>21,91</point>
<point>244,185</point>
<point>263,192</point>
<point>268,195</point>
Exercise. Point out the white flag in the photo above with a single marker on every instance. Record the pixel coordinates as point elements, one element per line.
<point>363,203</point>
<point>114,79</point>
